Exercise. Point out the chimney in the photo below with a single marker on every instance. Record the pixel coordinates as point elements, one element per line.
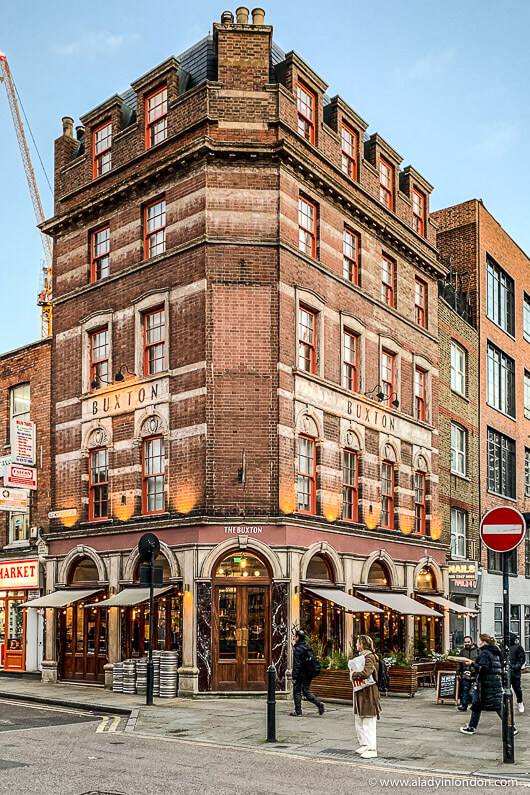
<point>227,18</point>
<point>242,15</point>
<point>80,132</point>
<point>68,126</point>
<point>258,16</point>
<point>243,50</point>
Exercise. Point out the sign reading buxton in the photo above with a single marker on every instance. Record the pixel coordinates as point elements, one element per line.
<point>126,398</point>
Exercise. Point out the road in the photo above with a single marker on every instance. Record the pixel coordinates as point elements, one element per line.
<point>56,751</point>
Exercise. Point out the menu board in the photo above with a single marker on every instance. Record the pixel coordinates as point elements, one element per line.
<point>447,687</point>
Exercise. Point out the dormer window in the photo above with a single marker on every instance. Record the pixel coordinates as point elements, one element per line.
<point>102,143</point>
<point>386,183</point>
<point>156,117</point>
<point>305,100</point>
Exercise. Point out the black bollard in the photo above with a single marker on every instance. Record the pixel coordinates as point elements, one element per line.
<point>271,704</point>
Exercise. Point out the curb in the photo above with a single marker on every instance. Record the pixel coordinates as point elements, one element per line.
<point>58,702</point>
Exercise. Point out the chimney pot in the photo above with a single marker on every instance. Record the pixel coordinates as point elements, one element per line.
<point>68,126</point>
<point>258,16</point>
<point>80,131</point>
<point>227,18</point>
<point>242,15</point>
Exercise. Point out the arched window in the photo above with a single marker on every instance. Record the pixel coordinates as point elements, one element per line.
<point>379,574</point>
<point>319,569</point>
<point>84,571</point>
<point>426,580</point>
<point>241,564</point>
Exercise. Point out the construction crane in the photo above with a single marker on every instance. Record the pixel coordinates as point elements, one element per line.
<point>45,295</point>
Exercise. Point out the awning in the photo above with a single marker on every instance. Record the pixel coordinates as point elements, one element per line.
<point>443,602</point>
<point>343,599</point>
<point>60,598</point>
<point>130,597</point>
<point>401,603</point>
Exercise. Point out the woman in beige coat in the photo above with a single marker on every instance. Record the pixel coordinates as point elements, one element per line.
<point>366,703</point>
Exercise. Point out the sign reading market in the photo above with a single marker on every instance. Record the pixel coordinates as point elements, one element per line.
<point>16,574</point>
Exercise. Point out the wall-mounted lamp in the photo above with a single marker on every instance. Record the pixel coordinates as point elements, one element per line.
<point>119,375</point>
<point>350,591</point>
<point>371,508</point>
<point>96,381</point>
<point>380,395</point>
<point>395,402</point>
<point>297,589</point>
<point>186,587</point>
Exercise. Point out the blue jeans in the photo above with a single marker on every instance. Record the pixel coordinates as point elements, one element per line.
<point>466,695</point>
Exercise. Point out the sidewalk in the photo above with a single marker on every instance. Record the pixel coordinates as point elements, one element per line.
<point>414,734</point>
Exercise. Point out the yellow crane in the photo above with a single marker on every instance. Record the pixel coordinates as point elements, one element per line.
<point>45,295</point>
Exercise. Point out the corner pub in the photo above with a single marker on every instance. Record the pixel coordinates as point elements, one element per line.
<point>245,364</point>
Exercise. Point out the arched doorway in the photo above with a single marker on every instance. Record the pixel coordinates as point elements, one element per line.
<point>241,622</point>
<point>427,629</point>
<point>386,629</point>
<point>321,619</point>
<point>83,629</point>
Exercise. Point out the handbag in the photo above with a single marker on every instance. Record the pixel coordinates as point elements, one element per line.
<point>357,664</point>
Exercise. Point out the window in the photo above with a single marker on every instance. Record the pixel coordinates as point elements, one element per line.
<point>18,527</point>
<point>527,394</point>
<point>515,620</point>
<point>498,622</point>
<point>154,338</point>
<point>350,362</point>
<point>387,495</point>
<point>500,377</point>
<point>156,117</point>
<point>99,357</point>
<point>99,484</point>
<point>306,339</point>
<point>419,394</point>
<point>350,251</point>
<point>100,253</point>
<point>349,486</point>
<point>458,369</point>
<point>419,503</point>
<point>458,533</point>
<point>155,228</point>
<point>20,402</point>
<point>458,449</point>
<point>420,302</point>
<point>386,187</point>
<point>306,227</point>
<point>306,475</point>
<point>418,212</point>
<point>388,267</point>
<point>499,296</point>
<point>387,373</point>
<point>154,464</point>
<point>526,317</point>
<point>495,561</point>
<point>102,153</point>
<point>305,101</point>
<point>501,464</point>
<point>349,152</point>
<point>526,472</point>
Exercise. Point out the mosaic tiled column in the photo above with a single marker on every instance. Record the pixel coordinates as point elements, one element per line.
<point>279,632</point>
<point>204,635</point>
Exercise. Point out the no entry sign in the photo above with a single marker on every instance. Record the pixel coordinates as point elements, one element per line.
<point>502,528</point>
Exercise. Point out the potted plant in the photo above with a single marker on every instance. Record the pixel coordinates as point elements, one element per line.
<point>445,663</point>
<point>334,678</point>
<point>402,675</point>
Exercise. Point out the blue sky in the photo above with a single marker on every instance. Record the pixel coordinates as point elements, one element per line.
<point>446,84</point>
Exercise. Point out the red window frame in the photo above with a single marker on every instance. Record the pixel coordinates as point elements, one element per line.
<point>387,495</point>
<point>155,229</point>
<point>420,302</point>
<point>386,183</point>
<point>349,151</point>
<point>307,219</point>
<point>98,498</point>
<point>305,104</point>
<point>100,250</point>
<point>350,361</point>
<point>151,473</point>
<point>418,212</point>
<point>102,149</point>
<point>388,280</point>
<point>99,355</point>
<point>419,503</point>
<point>419,393</point>
<point>350,486</point>
<point>350,254</point>
<point>306,475</point>
<point>154,341</point>
<point>156,117</point>
<point>307,324</point>
<point>387,373</point>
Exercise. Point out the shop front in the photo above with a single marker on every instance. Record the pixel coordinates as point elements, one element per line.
<point>464,590</point>
<point>19,639</point>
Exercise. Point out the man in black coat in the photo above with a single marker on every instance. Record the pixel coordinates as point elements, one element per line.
<point>301,677</point>
<point>517,660</point>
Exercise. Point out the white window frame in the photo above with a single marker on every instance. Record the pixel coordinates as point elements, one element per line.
<point>458,453</point>
<point>458,374</point>
<point>18,541</point>
<point>458,533</point>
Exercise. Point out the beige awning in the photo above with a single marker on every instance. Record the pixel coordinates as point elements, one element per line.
<point>60,598</point>
<point>350,603</point>
<point>130,597</point>
<point>443,602</point>
<point>401,603</point>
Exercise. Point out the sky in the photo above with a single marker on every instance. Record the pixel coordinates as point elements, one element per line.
<point>446,84</point>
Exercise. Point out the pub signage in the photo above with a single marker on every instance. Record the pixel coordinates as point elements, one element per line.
<point>243,530</point>
<point>125,399</point>
<point>19,573</point>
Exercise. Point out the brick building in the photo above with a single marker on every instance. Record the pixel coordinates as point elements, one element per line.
<point>496,274</point>
<point>246,364</point>
<point>25,386</point>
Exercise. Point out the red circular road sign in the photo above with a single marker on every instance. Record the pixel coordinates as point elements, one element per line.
<point>502,528</point>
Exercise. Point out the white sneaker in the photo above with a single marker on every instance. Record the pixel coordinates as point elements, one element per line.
<point>361,749</point>
<point>369,754</point>
<point>520,706</point>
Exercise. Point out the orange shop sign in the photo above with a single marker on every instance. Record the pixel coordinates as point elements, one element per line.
<point>14,500</point>
<point>19,573</point>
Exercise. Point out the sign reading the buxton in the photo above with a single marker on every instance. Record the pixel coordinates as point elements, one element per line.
<point>19,573</point>
<point>125,399</point>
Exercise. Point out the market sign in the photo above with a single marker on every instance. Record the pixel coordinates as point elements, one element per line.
<point>14,500</point>
<point>19,573</point>
<point>23,477</point>
<point>463,575</point>
<point>23,442</point>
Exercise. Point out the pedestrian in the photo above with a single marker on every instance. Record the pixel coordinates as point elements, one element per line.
<point>488,693</point>
<point>469,651</point>
<point>302,675</point>
<point>517,660</point>
<point>366,702</point>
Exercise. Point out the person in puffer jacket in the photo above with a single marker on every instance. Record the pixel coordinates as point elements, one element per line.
<point>488,669</point>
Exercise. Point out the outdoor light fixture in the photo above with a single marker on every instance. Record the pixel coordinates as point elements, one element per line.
<point>186,587</point>
<point>297,589</point>
<point>380,395</point>
<point>395,402</point>
<point>119,375</point>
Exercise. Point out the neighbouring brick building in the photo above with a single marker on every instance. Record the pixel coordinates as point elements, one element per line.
<point>246,364</point>
<point>25,387</point>
<point>496,274</point>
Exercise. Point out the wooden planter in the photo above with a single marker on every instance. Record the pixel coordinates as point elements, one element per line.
<point>402,680</point>
<point>333,684</point>
<point>446,665</point>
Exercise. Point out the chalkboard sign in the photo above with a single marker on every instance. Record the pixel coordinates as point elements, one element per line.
<point>447,687</point>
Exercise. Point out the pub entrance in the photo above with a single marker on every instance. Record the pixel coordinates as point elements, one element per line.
<point>241,623</point>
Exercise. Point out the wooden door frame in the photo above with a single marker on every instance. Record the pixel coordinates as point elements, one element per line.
<point>74,654</point>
